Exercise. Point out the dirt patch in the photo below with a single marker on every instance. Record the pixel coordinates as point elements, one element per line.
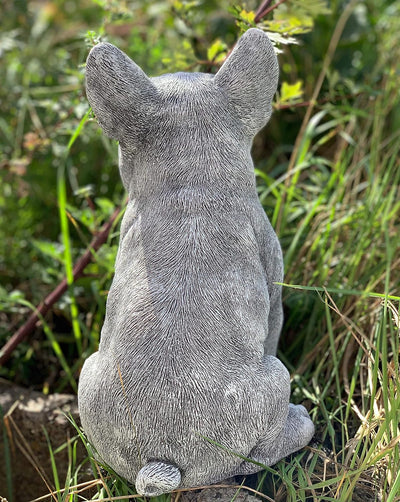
<point>225,494</point>
<point>25,416</point>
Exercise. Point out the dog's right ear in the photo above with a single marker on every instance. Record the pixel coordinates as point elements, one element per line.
<point>249,77</point>
<point>119,92</point>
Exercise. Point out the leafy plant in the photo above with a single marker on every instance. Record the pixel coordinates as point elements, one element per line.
<point>327,174</point>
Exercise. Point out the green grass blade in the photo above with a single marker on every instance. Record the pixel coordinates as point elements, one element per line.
<point>65,235</point>
<point>79,129</point>
<point>68,262</point>
<point>53,466</point>
<point>54,344</point>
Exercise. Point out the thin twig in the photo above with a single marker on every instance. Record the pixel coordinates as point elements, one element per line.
<point>304,104</point>
<point>26,329</point>
<point>267,10</point>
<point>263,6</point>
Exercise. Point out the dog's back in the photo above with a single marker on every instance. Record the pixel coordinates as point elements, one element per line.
<point>193,307</point>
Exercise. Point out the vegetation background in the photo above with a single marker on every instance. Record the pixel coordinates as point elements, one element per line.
<point>328,173</point>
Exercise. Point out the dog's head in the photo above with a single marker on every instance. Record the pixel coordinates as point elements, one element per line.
<point>183,111</point>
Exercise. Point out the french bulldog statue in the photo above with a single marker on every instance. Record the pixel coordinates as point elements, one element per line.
<point>185,385</point>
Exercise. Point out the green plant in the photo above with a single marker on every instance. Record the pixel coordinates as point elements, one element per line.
<point>333,196</point>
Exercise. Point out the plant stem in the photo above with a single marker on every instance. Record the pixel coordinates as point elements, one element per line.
<point>263,6</point>
<point>265,9</point>
<point>26,329</point>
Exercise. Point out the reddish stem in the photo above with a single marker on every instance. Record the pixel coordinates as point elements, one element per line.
<point>319,102</point>
<point>262,13</point>
<point>263,6</point>
<point>26,329</point>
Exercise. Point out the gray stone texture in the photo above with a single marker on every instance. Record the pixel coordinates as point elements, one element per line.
<point>187,352</point>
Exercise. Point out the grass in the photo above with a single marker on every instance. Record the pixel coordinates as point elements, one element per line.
<point>65,235</point>
<point>340,237</point>
<point>336,206</point>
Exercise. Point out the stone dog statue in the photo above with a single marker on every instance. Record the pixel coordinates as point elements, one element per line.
<point>185,382</point>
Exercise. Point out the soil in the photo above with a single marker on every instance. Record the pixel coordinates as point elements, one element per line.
<point>26,414</point>
<point>212,494</point>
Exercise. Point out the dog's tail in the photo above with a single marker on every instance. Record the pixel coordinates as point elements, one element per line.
<point>156,478</point>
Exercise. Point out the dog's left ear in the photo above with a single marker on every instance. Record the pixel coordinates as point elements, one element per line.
<point>249,77</point>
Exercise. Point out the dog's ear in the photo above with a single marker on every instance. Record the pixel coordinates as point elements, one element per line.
<point>249,77</point>
<point>119,92</point>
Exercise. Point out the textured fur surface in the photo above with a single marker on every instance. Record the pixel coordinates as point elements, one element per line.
<point>187,350</point>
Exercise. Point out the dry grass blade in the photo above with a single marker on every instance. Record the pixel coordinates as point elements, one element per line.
<point>26,450</point>
<point>73,490</point>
